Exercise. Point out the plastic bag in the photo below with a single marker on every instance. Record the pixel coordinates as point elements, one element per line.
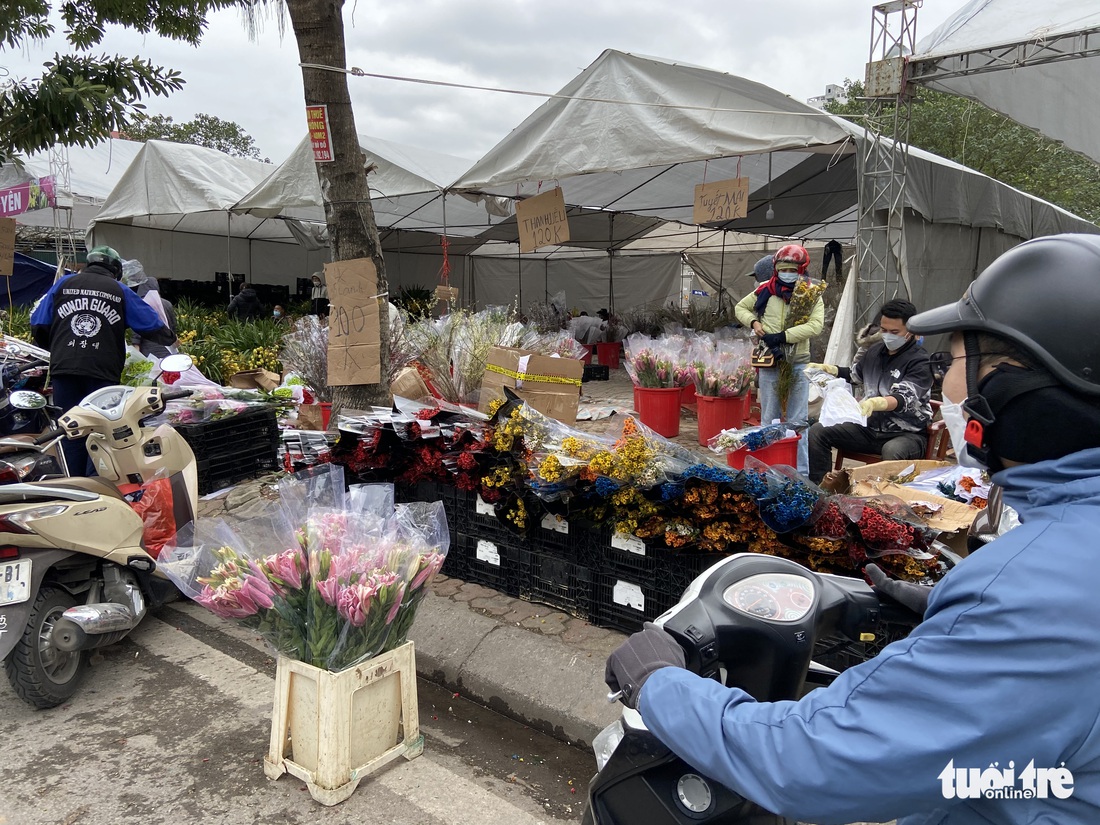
<point>886,524</point>
<point>153,502</point>
<point>839,406</point>
<point>786,500</point>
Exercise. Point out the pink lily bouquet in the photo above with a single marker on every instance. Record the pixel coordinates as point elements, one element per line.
<point>653,363</point>
<point>722,369</point>
<point>340,587</point>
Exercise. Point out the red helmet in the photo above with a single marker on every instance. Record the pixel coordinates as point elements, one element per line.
<point>793,254</point>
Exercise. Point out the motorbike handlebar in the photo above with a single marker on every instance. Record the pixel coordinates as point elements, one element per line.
<point>172,395</point>
<point>33,365</point>
<point>48,436</point>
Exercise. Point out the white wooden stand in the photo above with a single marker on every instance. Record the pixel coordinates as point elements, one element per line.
<point>332,729</point>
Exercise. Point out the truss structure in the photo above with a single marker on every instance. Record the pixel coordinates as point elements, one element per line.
<point>1034,52</point>
<point>883,158</point>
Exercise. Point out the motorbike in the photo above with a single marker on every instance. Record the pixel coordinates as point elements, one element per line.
<point>74,572</point>
<point>751,621</point>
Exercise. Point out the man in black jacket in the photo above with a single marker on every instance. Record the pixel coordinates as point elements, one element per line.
<point>82,321</point>
<point>897,388</point>
<point>246,305</point>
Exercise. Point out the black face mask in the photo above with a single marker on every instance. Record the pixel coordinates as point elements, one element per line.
<point>1035,417</point>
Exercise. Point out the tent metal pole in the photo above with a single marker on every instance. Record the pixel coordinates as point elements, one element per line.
<point>722,273</point>
<point>611,266</point>
<point>229,249</point>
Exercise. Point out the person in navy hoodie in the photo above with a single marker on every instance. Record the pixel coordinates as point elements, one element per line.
<point>995,690</point>
<point>82,321</point>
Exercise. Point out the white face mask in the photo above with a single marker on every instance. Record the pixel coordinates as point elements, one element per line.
<point>893,341</point>
<point>788,277</point>
<point>955,421</point>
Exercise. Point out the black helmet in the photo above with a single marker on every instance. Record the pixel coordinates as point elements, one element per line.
<point>107,258</point>
<point>1043,295</point>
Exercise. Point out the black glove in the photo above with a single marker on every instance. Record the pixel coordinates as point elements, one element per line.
<point>638,658</point>
<point>913,596</point>
<point>774,340</point>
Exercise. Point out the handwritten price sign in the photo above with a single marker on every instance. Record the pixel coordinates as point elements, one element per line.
<point>542,221</point>
<point>722,200</point>
<point>354,339</point>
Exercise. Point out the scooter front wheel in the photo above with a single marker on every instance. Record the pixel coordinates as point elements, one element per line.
<point>40,674</point>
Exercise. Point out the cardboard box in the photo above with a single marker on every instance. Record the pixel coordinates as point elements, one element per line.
<point>409,384</point>
<point>550,385</point>
<point>255,380</point>
<point>871,480</point>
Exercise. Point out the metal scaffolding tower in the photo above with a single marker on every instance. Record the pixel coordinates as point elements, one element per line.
<point>883,157</point>
<point>64,236</point>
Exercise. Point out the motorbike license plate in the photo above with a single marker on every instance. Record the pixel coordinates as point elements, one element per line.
<point>15,581</point>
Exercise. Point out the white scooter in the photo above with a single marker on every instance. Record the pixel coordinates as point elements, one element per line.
<point>74,572</point>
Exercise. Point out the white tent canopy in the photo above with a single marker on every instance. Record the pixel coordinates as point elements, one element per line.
<point>92,171</point>
<point>1037,63</point>
<point>675,126</point>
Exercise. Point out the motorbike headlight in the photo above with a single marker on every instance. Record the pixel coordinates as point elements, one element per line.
<point>606,741</point>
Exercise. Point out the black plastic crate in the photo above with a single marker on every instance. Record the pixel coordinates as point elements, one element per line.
<point>625,554</point>
<point>595,372</point>
<point>455,564</point>
<point>478,518</point>
<point>216,474</point>
<point>555,536</point>
<point>839,653</point>
<point>557,582</point>
<point>621,603</point>
<point>247,430</point>
<point>681,568</point>
<point>491,562</point>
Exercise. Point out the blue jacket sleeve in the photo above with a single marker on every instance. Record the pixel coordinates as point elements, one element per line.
<point>872,745</point>
<point>140,317</point>
<point>42,317</point>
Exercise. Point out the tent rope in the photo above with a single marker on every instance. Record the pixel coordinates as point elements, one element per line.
<point>355,71</point>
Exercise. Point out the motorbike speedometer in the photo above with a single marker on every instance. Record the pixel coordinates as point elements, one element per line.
<point>777,597</point>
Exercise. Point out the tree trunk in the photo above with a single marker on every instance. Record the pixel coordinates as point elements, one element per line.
<point>319,29</point>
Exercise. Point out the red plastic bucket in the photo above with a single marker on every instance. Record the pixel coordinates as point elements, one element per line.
<point>659,409</point>
<point>687,395</point>
<point>608,354</point>
<point>717,414</point>
<point>589,351</point>
<point>326,414</point>
<point>784,451</point>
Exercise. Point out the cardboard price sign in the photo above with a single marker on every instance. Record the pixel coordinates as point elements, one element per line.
<point>722,200</point>
<point>354,339</point>
<point>319,134</point>
<point>7,246</point>
<point>542,221</point>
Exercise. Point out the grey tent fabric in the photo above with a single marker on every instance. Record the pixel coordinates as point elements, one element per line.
<point>1039,80</point>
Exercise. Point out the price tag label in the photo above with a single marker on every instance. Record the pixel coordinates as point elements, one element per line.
<point>722,200</point>
<point>487,552</point>
<point>629,543</point>
<point>555,523</point>
<point>483,508</point>
<point>628,595</point>
<point>542,221</point>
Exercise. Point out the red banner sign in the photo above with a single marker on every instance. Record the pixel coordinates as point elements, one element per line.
<point>317,119</point>
<point>26,197</point>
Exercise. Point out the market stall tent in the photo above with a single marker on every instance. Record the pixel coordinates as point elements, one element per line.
<point>636,134</point>
<point>1037,63</point>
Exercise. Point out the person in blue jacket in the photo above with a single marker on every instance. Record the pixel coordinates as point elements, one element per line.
<point>82,321</point>
<point>989,711</point>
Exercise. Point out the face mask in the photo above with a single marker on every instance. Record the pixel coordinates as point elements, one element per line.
<point>893,341</point>
<point>955,421</point>
<point>788,277</point>
<point>278,315</point>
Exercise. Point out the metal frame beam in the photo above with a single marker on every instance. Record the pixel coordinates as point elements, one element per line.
<point>1070,46</point>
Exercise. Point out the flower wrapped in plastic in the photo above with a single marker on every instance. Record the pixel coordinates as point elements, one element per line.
<point>651,363</point>
<point>327,578</point>
<point>722,370</point>
<point>786,500</point>
<point>886,525</point>
<point>752,438</point>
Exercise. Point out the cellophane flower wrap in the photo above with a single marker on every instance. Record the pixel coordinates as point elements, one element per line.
<point>886,525</point>
<point>753,438</point>
<point>651,363</point>
<point>326,578</point>
<point>786,499</point>
<point>722,370</point>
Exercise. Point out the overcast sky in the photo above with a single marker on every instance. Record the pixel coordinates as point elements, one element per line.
<point>795,46</point>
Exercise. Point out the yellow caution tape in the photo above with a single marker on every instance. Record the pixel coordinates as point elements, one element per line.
<point>529,376</point>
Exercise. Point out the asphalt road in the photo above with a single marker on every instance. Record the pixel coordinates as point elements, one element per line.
<point>172,724</point>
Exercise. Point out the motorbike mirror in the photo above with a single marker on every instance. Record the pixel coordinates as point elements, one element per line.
<point>27,400</point>
<point>176,363</point>
<point>12,348</point>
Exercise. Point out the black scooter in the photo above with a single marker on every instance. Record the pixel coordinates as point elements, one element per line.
<point>751,622</point>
